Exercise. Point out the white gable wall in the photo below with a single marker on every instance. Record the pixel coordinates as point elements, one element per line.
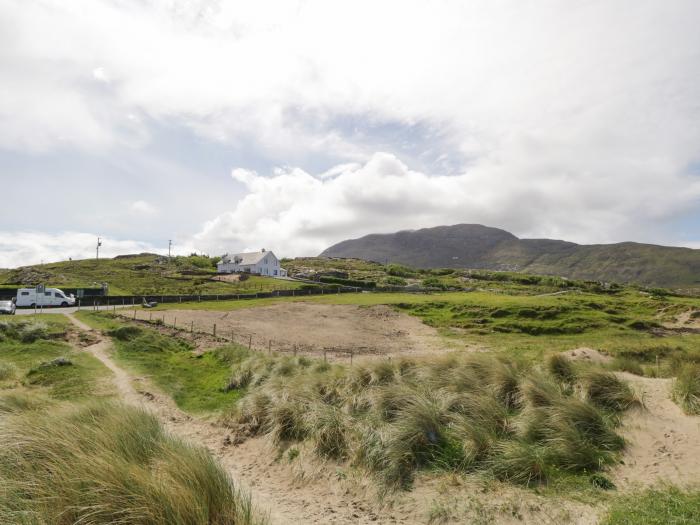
<point>266,265</point>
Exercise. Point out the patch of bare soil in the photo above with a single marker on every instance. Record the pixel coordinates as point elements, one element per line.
<point>688,320</point>
<point>312,328</point>
<point>227,277</point>
<point>663,442</point>
<point>590,355</point>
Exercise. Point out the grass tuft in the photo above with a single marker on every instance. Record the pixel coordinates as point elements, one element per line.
<point>686,389</point>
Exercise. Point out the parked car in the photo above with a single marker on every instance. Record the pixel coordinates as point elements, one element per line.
<point>50,297</point>
<point>7,307</point>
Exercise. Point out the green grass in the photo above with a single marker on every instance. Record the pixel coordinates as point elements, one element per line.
<point>105,464</point>
<point>659,506</point>
<point>139,275</point>
<point>196,382</point>
<point>34,361</point>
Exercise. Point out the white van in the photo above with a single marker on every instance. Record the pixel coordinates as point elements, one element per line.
<point>50,297</point>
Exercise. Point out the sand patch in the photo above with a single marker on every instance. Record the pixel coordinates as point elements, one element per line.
<point>311,328</point>
<point>590,355</point>
<point>663,442</point>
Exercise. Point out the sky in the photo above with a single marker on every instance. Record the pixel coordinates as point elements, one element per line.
<point>228,126</point>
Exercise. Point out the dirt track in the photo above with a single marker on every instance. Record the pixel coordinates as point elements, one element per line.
<point>311,328</point>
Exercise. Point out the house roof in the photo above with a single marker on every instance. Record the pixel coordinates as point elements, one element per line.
<point>245,258</point>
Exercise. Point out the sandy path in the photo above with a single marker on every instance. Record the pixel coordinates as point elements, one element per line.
<point>663,442</point>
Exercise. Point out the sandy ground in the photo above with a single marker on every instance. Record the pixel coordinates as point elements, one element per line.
<point>590,355</point>
<point>313,492</point>
<point>313,328</point>
<point>663,442</point>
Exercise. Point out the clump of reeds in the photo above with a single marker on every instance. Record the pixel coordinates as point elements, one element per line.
<point>107,463</point>
<point>686,389</point>
<point>458,413</point>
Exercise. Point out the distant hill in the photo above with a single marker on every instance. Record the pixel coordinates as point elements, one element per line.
<point>477,246</point>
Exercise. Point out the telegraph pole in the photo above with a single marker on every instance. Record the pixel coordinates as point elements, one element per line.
<point>170,244</point>
<point>97,249</point>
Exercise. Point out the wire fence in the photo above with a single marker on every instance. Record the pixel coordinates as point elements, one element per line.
<point>220,333</point>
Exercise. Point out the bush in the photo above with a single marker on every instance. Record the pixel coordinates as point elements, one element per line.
<point>686,389</point>
<point>399,270</point>
<point>125,333</point>
<point>395,281</point>
<point>110,464</point>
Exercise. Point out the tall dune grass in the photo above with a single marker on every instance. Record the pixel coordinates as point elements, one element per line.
<point>456,413</point>
<point>686,389</point>
<point>109,464</point>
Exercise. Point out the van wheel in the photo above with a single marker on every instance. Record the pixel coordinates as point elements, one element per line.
<point>33,305</point>
<point>64,304</point>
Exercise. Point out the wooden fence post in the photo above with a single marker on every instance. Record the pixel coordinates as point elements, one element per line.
<point>214,331</point>
<point>351,353</point>
<point>175,322</point>
<point>134,313</point>
<point>191,327</point>
<point>150,316</point>
<point>269,346</point>
<point>250,341</point>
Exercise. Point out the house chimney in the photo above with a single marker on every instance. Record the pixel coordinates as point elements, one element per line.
<point>263,250</point>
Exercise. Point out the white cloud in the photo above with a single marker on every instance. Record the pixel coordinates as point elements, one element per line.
<point>296,213</point>
<point>578,121</point>
<point>142,208</point>
<point>23,248</point>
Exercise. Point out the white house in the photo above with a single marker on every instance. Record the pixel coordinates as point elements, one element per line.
<point>260,263</point>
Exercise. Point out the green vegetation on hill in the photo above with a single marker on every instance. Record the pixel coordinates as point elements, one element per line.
<point>144,274</point>
<point>477,246</point>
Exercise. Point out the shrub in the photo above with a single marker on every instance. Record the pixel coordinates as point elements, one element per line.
<point>125,333</point>
<point>686,389</point>
<point>110,464</point>
<point>395,281</point>
<point>399,270</point>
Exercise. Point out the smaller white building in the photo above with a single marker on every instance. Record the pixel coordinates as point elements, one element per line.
<point>260,263</point>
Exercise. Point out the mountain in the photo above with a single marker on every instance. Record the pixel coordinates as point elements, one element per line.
<point>482,247</point>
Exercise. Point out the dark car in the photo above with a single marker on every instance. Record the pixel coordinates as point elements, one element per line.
<point>7,307</point>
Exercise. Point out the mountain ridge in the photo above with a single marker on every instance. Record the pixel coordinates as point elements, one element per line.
<point>484,247</point>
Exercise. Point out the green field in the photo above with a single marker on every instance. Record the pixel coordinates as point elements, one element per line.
<point>196,382</point>
<point>140,275</point>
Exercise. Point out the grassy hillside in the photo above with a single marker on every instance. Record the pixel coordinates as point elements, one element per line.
<point>481,247</point>
<point>144,274</point>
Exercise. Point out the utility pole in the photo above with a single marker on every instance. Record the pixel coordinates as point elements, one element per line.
<point>170,244</point>
<point>97,249</point>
